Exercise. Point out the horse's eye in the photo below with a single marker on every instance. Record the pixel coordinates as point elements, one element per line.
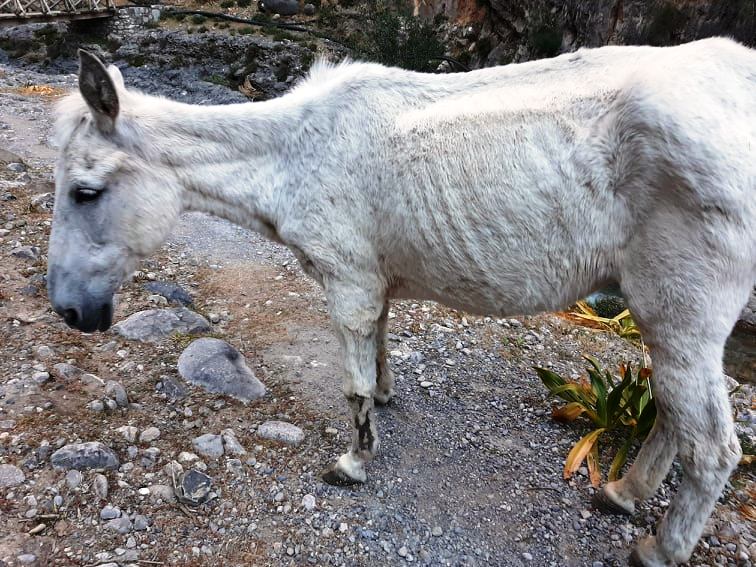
<point>86,194</point>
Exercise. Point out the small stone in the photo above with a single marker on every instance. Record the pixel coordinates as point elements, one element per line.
<point>122,525</point>
<point>101,486</point>
<point>174,293</point>
<point>116,391</point>
<point>527,556</point>
<point>11,475</point>
<point>214,318</point>
<point>96,406</point>
<point>209,445</point>
<point>437,531</point>
<point>187,457</point>
<point>27,558</point>
<point>110,512</point>
<point>162,492</point>
<point>129,432</point>
<point>16,167</point>
<point>82,456</point>
<point>281,431</point>
<point>26,252</point>
<point>231,445</point>
<point>195,487</point>
<point>308,502</point>
<point>309,9</point>
<point>73,479</point>
<point>149,435</point>
<point>426,384</point>
<point>331,431</point>
<point>172,388</point>
<point>402,551</point>
<point>141,523</point>
<point>40,377</point>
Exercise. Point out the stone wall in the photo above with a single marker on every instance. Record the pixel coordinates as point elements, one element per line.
<point>132,18</point>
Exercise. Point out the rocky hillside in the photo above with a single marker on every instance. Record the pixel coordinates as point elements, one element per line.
<point>519,30</point>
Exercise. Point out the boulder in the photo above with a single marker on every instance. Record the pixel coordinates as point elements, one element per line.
<point>219,368</point>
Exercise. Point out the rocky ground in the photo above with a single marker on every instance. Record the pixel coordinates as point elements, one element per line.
<point>470,466</point>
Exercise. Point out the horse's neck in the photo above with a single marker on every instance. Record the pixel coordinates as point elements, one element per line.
<point>234,161</point>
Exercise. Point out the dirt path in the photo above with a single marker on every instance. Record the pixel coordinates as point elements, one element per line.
<point>470,466</point>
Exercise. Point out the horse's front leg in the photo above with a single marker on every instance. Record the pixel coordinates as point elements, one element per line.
<point>356,315</point>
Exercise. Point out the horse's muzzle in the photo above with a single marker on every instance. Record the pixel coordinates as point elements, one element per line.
<point>87,317</point>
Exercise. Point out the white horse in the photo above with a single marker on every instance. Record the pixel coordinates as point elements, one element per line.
<point>507,190</point>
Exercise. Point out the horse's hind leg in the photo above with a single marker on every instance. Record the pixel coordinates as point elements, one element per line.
<point>384,390</point>
<point>686,302</point>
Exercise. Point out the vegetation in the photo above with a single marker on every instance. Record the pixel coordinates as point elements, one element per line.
<point>622,406</point>
<point>397,39</point>
<point>622,324</point>
<point>227,4</point>
<point>664,25</point>
<point>244,3</point>
<point>198,19</point>
<point>546,41</point>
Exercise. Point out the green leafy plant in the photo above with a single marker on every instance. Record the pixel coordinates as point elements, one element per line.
<point>622,405</point>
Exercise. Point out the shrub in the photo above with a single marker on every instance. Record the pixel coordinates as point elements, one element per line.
<point>244,3</point>
<point>227,4</point>
<point>664,25</point>
<point>622,324</point>
<point>403,41</point>
<point>546,41</point>
<point>198,19</point>
<point>622,405</point>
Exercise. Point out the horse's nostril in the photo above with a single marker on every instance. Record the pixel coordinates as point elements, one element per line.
<point>71,316</point>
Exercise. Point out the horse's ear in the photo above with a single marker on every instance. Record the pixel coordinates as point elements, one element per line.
<point>115,74</point>
<point>98,90</point>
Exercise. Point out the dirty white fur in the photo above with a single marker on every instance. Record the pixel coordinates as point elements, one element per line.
<point>508,190</point>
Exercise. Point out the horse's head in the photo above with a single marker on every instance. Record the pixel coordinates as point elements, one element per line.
<point>112,208</point>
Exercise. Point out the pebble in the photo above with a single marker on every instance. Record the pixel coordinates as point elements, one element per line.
<point>149,435</point>
<point>231,445</point>
<point>437,531</point>
<point>26,558</point>
<point>308,502</point>
<point>101,486</point>
<point>73,479</point>
<point>129,432</point>
<point>116,391</point>
<point>110,512</point>
<point>122,525</point>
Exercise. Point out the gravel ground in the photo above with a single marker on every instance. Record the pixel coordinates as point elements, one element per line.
<point>470,466</point>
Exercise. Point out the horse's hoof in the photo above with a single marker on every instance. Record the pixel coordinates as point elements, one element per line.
<point>383,398</point>
<point>604,503</point>
<point>334,476</point>
<point>635,559</point>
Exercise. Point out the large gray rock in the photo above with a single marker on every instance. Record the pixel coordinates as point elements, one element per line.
<point>219,368</point>
<point>282,7</point>
<point>11,475</point>
<point>155,325</point>
<point>83,456</point>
